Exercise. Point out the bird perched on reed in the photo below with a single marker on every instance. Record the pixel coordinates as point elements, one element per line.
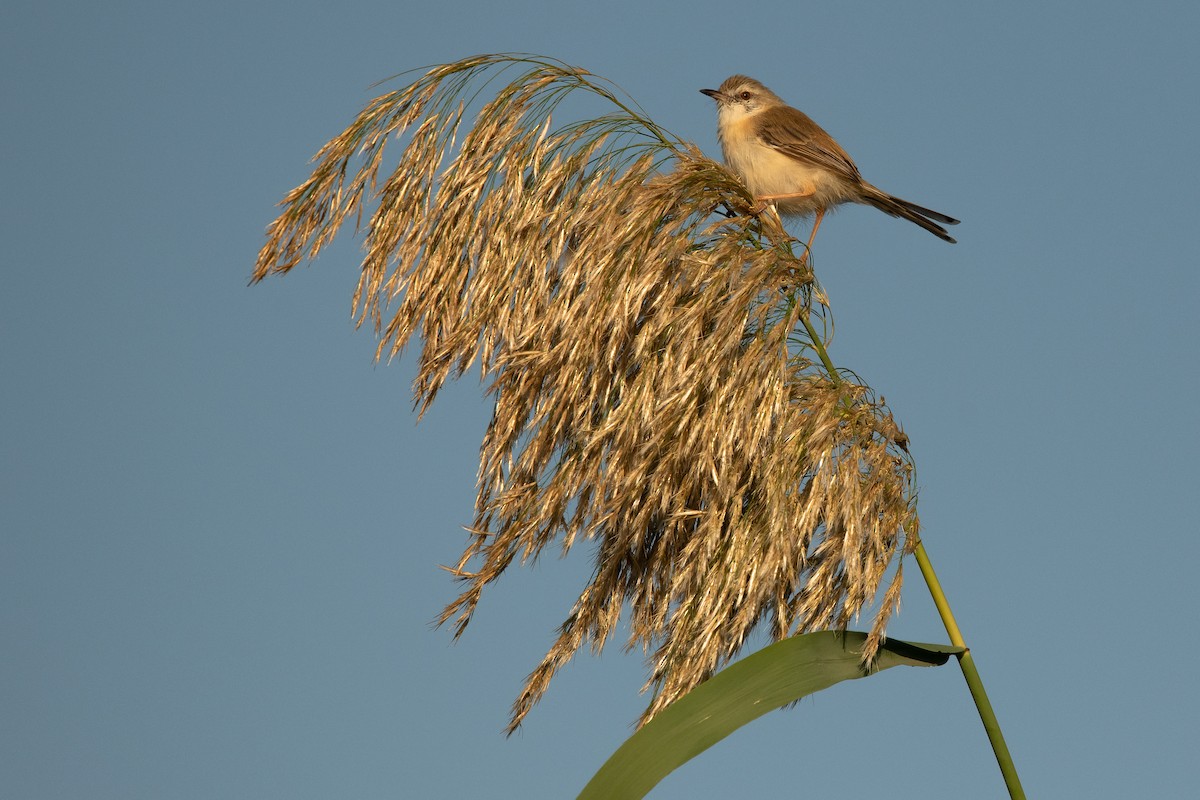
<point>788,161</point>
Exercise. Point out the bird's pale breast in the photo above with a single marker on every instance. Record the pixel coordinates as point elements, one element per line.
<point>766,171</point>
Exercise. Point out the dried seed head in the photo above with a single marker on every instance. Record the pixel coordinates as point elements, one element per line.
<point>652,364</point>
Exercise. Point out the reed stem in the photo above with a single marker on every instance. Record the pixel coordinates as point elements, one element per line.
<point>970,673</point>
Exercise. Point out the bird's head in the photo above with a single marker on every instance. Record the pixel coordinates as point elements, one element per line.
<point>740,96</point>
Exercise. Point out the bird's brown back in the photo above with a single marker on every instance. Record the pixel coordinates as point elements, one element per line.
<point>793,133</point>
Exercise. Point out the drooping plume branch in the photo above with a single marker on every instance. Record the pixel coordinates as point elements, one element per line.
<point>649,348</point>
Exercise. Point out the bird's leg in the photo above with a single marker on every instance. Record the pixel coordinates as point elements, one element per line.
<point>813,235</point>
<point>760,203</point>
<point>774,198</point>
<point>766,200</point>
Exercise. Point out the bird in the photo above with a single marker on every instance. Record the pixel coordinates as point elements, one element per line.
<point>788,161</point>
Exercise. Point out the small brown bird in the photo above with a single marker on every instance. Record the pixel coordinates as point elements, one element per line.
<point>789,161</point>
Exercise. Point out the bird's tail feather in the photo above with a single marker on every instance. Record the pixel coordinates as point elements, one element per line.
<point>925,217</point>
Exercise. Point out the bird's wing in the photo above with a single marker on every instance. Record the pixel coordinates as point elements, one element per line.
<point>793,133</point>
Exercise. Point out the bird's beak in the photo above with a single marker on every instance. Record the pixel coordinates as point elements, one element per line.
<point>714,94</point>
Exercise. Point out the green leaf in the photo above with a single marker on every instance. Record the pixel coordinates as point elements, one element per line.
<point>769,679</point>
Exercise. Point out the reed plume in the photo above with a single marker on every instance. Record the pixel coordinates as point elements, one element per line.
<point>655,355</point>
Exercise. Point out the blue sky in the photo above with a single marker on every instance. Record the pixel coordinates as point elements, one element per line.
<point>220,524</point>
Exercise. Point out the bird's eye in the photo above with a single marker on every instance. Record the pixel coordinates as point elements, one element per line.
<point>745,95</point>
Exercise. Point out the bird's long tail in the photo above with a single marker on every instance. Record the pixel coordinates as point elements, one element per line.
<point>926,218</point>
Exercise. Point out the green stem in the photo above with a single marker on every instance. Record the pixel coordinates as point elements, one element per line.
<point>974,683</point>
<point>820,348</point>
<point>971,674</point>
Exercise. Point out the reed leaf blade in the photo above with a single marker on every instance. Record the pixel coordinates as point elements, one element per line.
<point>771,678</point>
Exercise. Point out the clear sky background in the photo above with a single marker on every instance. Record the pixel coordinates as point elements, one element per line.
<point>220,524</point>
